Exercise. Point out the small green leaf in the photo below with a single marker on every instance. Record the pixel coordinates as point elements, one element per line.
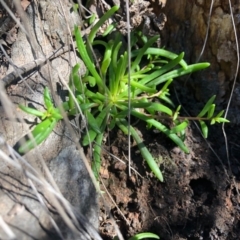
<point>112,124</point>
<point>107,57</point>
<point>31,111</point>
<point>92,122</point>
<point>87,139</point>
<point>213,121</point>
<point>154,77</point>
<point>219,114</point>
<point>90,80</point>
<point>175,115</point>
<point>137,104</point>
<point>165,86</point>
<point>211,111</point>
<point>56,114</point>
<point>178,73</point>
<point>109,29</point>
<point>142,51</point>
<point>75,7</point>
<point>221,120</point>
<point>75,78</point>
<point>159,108</point>
<point>105,64</point>
<point>39,133</point>
<point>162,53</point>
<point>165,98</point>
<point>204,128</point>
<point>142,87</point>
<point>144,236</point>
<point>207,106</point>
<point>75,69</point>
<point>92,19</point>
<point>86,59</point>
<point>115,53</point>
<point>180,127</point>
<point>87,106</point>
<point>47,98</point>
<point>119,74</point>
<point>100,23</point>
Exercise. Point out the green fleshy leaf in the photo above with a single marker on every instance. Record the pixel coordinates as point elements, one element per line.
<point>39,134</point>
<point>204,128</point>
<point>180,127</point>
<point>31,111</point>
<point>144,236</point>
<point>47,98</point>
<point>207,106</point>
<point>92,122</point>
<point>211,111</point>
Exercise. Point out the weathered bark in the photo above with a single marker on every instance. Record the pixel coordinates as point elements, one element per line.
<point>186,30</point>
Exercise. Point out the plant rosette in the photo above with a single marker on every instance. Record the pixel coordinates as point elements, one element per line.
<point>104,95</point>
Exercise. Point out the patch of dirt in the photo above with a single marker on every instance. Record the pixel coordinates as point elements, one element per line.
<point>198,199</point>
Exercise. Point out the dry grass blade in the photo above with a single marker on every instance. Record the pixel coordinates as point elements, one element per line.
<point>231,94</point>
<point>234,81</point>
<point>129,84</point>
<point>7,229</point>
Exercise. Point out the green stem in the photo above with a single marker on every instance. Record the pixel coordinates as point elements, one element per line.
<point>162,128</point>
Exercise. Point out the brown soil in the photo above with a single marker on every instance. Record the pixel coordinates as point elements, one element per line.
<point>199,197</point>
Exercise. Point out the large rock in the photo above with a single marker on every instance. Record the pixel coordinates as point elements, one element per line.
<point>31,206</point>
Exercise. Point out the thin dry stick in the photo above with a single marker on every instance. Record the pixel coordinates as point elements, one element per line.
<point>54,194</point>
<point>36,177</point>
<point>234,83</point>
<point>40,199</point>
<point>69,33</point>
<point>7,229</point>
<point>26,68</point>
<point>206,37</point>
<point>207,33</point>
<point>129,86</point>
<point>230,98</point>
<point>36,50</point>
